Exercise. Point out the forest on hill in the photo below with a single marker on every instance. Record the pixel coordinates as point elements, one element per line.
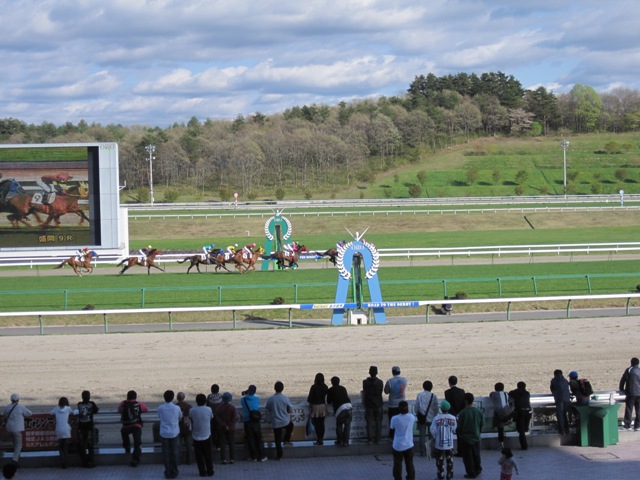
<point>316,151</point>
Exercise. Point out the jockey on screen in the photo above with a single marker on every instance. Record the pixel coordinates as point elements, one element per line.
<point>247,249</point>
<point>231,250</point>
<point>207,250</point>
<point>144,252</point>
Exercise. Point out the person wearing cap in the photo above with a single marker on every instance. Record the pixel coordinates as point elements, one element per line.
<point>395,388</point>
<point>144,252</point>
<point>201,416</point>
<point>402,424</point>
<point>443,427</point>
<point>225,420</point>
<point>252,428</point>
<point>426,408</point>
<point>574,386</point>
<point>372,388</point>
<point>279,408</point>
<point>15,414</point>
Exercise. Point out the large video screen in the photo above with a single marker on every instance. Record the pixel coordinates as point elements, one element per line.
<point>58,196</point>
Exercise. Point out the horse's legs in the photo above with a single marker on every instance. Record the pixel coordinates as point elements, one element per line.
<point>154,266</point>
<point>124,269</point>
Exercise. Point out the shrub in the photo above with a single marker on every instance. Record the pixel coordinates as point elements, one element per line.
<point>519,190</point>
<point>387,193</point>
<point>462,295</point>
<point>638,287</point>
<point>415,191</point>
<point>308,195</point>
<point>361,195</point>
<point>280,193</point>
<point>544,190</point>
<point>278,301</point>
<point>171,195</point>
<point>142,195</point>
<point>422,177</point>
<point>620,174</point>
<point>225,194</point>
<point>252,195</point>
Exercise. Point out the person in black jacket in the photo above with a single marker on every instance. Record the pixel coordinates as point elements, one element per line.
<point>372,399</point>
<point>342,409</point>
<point>522,412</point>
<point>630,385</point>
<point>559,387</point>
<point>455,396</point>
<point>317,400</point>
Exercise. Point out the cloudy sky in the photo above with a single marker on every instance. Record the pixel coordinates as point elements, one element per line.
<point>156,62</point>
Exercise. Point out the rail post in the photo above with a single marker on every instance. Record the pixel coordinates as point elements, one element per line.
<point>66,299</point>
<point>106,323</point>
<point>41,324</point>
<point>234,318</point>
<point>427,312</point>
<point>569,309</point>
<point>588,282</point>
<point>170,321</point>
<point>290,318</point>
<point>142,299</point>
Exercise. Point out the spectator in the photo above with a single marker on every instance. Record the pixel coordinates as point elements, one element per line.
<point>576,391</point>
<point>395,388</point>
<point>630,385</point>
<point>131,411</point>
<point>86,441</point>
<point>455,396</point>
<point>470,423</point>
<point>317,400</point>
<point>442,429</point>
<point>61,414</point>
<point>252,426</point>
<point>185,426</point>
<point>426,410</point>
<point>170,416</point>
<point>499,400</point>
<point>559,387</point>
<point>201,416</point>
<point>342,409</point>
<point>521,412</point>
<point>507,464</point>
<point>372,389</point>
<point>279,408</point>
<point>214,400</point>
<point>226,419</point>
<point>9,470</point>
<point>402,424</point>
<point>15,414</point>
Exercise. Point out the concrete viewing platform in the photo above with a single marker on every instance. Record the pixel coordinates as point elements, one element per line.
<point>546,458</point>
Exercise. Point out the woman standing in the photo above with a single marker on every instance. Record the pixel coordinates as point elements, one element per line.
<point>317,400</point>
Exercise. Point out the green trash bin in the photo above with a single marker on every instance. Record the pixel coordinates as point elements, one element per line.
<point>602,425</point>
<point>583,425</point>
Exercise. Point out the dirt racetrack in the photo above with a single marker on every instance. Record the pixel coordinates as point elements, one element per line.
<point>43,368</point>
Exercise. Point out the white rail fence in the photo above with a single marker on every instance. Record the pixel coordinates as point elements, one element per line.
<point>110,257</point>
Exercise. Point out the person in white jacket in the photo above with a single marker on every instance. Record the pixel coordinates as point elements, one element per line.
<point>15,415</point>
<point>443,429</point>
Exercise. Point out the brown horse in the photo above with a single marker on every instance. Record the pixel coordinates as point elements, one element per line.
<point>148,262</point>
<point>286,256</point>
<point>332,253</point>
<point>197,260</point>
<point>221,261</point>
<point>21,206</point>
<point>251,260</point>
<point>79,265</point>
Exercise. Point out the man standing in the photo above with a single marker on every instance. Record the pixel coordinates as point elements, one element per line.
<point>395,388</point>
<point>521,412</point>
<point>15,415</point>
<point>225,421</point>
<point>131,411</point>
<point>372,388</point>
<point>426,409</point>
<point>201,416</point>
<point>343,410</point>
<point>470,423</point>
<point>402,425</point>
<point>455,396</point>
<point>170,416</point>
<point>443,429</point>
<point>630,385</point>
<point>559,387</point>
<point>252,426</point>
<point>279,408</point>
<point>86,410</point>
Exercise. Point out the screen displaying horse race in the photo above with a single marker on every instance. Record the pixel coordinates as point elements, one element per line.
<point>58,196</point>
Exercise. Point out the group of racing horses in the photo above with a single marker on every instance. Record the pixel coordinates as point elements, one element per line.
<point>218,257</point>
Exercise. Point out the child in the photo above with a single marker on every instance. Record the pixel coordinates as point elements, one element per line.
<point>508,464</point>
<point>63,429</point>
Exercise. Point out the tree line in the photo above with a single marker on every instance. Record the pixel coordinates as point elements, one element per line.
<point>328,147</point>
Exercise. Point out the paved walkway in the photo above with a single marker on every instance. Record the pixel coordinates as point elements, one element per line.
<point>620,461</point>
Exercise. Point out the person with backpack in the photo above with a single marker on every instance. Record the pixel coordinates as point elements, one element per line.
<point>580,388</point>
<point>131,411</point>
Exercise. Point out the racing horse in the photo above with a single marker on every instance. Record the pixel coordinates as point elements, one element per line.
<point>249,260</point>
<point>148,262</point>
<point>221,259</point>
<point>282,256</point>
<point>22,205</point>
<point>197,260</point>
<point>80,265</point>
<point>332,253</point>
